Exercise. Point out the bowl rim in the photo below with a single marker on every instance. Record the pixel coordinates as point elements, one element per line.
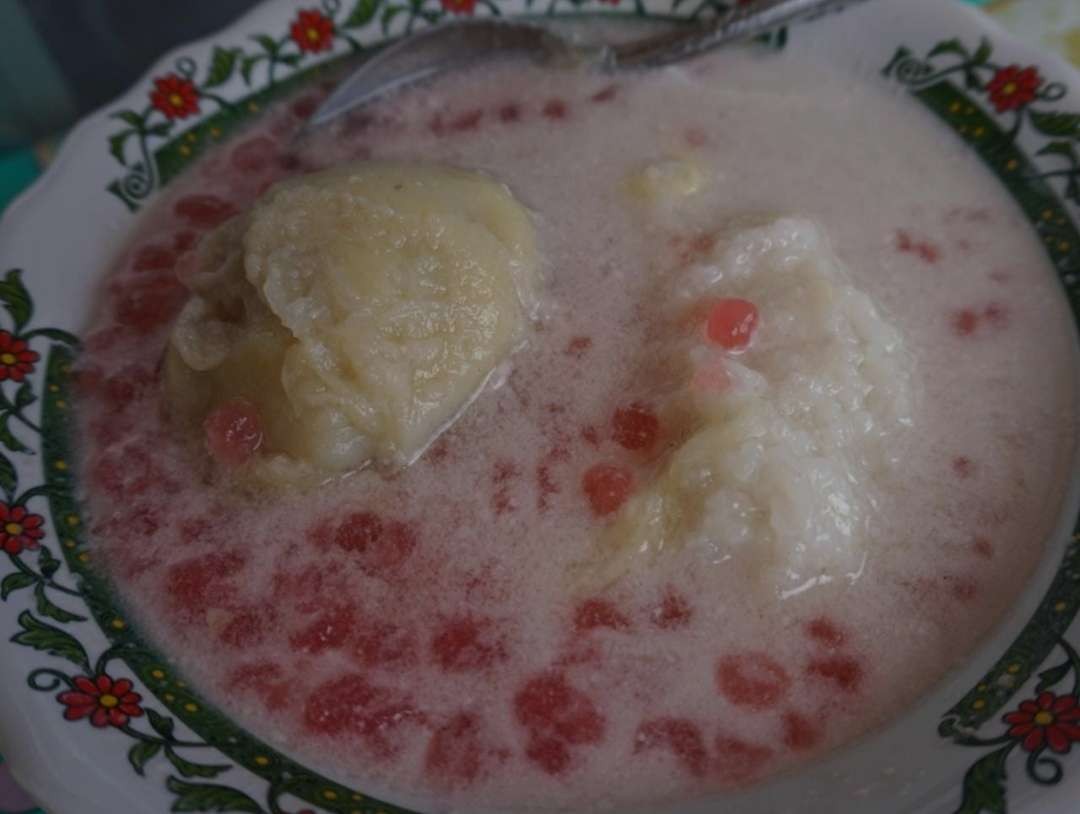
<point>91,128</point>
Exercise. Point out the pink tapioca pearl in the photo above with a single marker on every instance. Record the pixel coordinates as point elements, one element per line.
<point>731,323</point>
<point>329,631</point>
<point>183,241</point>
<point>983,548</point>
<point>607,487</point>
<point>110,430</point>
<point>843,672</point>
<point>264,679</point>
<point>737,760</point>
<point>145,305</point>
<point>153,257</point>
<point>124,470</point>
<point>191,585</point>
<point>752,679</point>
<point>121,389</point>
<point>996,314</point>
<point>264,187</point>
<point>351,705</point>
<point>353,534</point>
<point>246,625</point>
<point>378,545</point>
<point>203,211</point>
<point>128,529</point>
<point>129,564</point>
<point>107,338</point>
<point>290,163</point>
<point>546,486</point>
<point>961,588</point>
<point>604,94</point>
<point>550,707</point>
<point>964,321</point>
<point>962,467</point>
<point>303,107</point>
<point>695,137</point>
<point>459,751</point>
<point>673,613</point>
<point>382,644</point>
<point>280,125</point>
<point>467,644</point>
<point>635,427</point>
<point>502,479</point>
<point>88,380</point>
<point>799,732</point>
<point>380,727</point>
<point>923,249</point>
<point>510,113</point>
<point>255,155</point>
<point>594,614</point>
<point>691,248</point>
<point>578,346</point>
<point>466,121</point>
<point>579,650</point>
<point>301,589</point>
<point>234,432</point>
<point>555,109</point>
<point>550,754</point>
<point>195,529</point>
<point>553,408</point>
<point>968,321</point>
<point>681,737</point>
<point>438,452</point>
<point>824,630</point>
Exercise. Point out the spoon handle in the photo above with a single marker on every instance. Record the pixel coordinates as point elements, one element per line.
<point>747,20</point>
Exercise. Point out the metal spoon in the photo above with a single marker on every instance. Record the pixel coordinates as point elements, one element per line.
<point>458,45</point>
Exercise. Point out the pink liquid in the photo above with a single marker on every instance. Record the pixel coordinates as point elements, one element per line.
<point>416,635</point>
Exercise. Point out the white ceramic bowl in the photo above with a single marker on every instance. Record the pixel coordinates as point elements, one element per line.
<point>60,628</point>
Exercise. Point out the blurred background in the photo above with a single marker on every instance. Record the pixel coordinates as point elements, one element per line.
<point>60,59</point>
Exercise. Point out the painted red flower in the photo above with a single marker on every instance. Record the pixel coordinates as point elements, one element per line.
<point>313,31</point>
<point>16,358</point>
<point>459,6</point>
<point>175,96</point>
<point>1049,720</point>
<point>19,530</point>
<point>1013,87</point>
<point>107,701</point>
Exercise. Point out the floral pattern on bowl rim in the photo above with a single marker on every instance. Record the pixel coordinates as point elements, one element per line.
<point>1026,704</point>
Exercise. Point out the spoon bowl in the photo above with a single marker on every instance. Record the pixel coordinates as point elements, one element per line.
<point>461,44</point>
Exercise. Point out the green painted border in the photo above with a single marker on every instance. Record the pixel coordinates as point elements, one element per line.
<point>1027,185</point>
<point>284,776</point>
<point>1061,240</point>
<point>985,784</point>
